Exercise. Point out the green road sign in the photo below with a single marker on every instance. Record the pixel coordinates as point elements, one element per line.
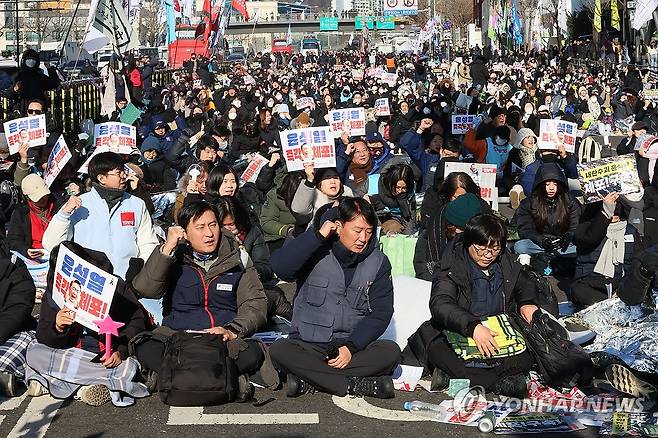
<point>328,23</point>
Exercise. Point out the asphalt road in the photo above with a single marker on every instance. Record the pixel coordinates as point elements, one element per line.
<point>151,418</point>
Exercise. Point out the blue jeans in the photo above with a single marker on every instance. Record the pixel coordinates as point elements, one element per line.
<point>527,246</point>
<point>154,307</point>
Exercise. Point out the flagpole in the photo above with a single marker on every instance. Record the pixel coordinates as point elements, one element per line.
<point>68,31</point>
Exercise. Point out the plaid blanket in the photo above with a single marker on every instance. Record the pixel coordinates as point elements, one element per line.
<point>63,372</point>
<point>12,353</point>
<point>509,341</point>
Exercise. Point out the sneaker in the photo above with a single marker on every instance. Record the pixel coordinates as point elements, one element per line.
<point>515,386</point>
<point>8,385</point>
<point>623,380</point>
<point>516,195</point>
<point>95,395</point>
<point>152,382</point>
<point>602,360</point>
<point>36,389</point>
<point>245,390</point>
<point>440,380</point>
<point>297,387</point>
<point>378,387</point>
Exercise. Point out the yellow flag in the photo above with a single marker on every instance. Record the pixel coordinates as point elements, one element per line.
<point>597,15</point>
<point>614,15</point>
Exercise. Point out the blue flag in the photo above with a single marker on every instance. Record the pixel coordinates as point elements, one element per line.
<point>517,30</point>
<point>171,21</point>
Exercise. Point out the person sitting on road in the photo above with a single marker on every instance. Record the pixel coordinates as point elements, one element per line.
<point>199,258</point>
<point>478,279</point>
<point>343,304</point>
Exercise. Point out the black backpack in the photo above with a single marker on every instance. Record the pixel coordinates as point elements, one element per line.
<point>560,362</point>
<point>196,371</point>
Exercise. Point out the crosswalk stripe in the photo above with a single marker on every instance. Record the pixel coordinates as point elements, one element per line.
<point>188,416</point>
<point>36,419</point>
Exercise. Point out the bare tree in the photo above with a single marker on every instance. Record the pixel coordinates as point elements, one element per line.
<point>589,6</point>
<point>459,12</point>
<point>150,29</point>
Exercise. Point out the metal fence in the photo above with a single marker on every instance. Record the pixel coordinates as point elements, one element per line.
<point>77,100</point>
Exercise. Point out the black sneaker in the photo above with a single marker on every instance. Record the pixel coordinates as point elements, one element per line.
<point>603,360</point>
<point>515,386</point>
<point>246,390</point>
<point>297,386</point>
<point>440,380</point>
<point>151,382</point>
<point>378,387</point>
<point>8,385</point>
<point>623,380</point>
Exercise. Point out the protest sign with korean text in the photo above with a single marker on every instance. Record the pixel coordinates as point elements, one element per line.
<point>382,107</point>
<point>463,124</point>
<point>59,156</point>
<point>309,145</point>
<point>389,78</point>
<point>26,130</point>
<point>607,175</point>
<point>305,102</point>
<point>83,288</point>
<point>554,132</point>
<point>254,167</point>
<point>651,95</point>
<point>484,175</point>
<point>348,120</point>
<point>115,137</point>
<point>357,74</point>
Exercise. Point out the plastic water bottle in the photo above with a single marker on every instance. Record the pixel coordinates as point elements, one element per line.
<point>425,409</point>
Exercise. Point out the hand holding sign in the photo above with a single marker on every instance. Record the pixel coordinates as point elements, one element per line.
<point>64,318</point>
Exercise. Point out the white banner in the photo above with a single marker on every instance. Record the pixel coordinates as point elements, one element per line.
<point>59,156</point>
<point>554,132</point>
<point>309,145</point>
<point>115,137</point>
<point>30,130</point>
<point>107,23</point>
<point>83,288</point>
<point>347,120</point>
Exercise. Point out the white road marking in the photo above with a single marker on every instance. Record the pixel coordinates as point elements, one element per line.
<point>2,418</point>
<point>12,403</point>
<point>195,415</point>
<point>37,417</point>
<point>359,406</point>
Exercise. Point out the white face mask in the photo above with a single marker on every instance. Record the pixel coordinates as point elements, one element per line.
<point>232,116</point>
<point>30,62</point>
<point>500,141</point>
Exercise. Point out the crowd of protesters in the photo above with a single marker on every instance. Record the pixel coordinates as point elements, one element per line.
<point>215,255</point>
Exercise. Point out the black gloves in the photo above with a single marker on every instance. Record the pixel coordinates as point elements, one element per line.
<point>565,241</point>
<point>551,243</point>
<point>649,263</point>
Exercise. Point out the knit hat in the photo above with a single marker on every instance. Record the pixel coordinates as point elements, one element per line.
<point>151,144</point>
<point>459,211</point>
<point>504,132</point>
<point>522,135</point>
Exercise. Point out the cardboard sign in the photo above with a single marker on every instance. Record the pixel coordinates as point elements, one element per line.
<point>115,137</point>
<point>254,167</point>
<point>348,120</point>
<point>59,156</point>
<point>309,145</point>
<point>83,288</point>
<point>607,175</point>
<point>382,107</point>
<point>484,175</point>
<point>30,130</point>
<point>553,132</point>
<point>305,102</point>
<point>463,124</point>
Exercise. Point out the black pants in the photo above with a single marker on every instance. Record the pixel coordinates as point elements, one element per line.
<point>441,355</point>
<point>591,289</point>
<point>149,354</point>
<point>307,361</point>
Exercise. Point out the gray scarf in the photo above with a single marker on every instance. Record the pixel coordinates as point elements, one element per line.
<point>613,250</point>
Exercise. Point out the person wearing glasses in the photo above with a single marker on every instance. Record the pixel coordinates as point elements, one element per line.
<point>478,279</point>
<point>107,218</point>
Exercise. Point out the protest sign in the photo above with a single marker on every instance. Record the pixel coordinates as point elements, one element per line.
<point>83,288</point>
<point>309,145</point>
<point>463,124</point>
<point>651,95</point>
<point>305,102</point>
<point>348,120</point>
<point>484,175</point>
<point>59,156</point>
<point>254,167</point>
<point>249,80</point>
<point>38,268</point>
<point>607,175</point>
<point>390,78</point>
<point>374,72</point>
<point>630,424</point>
<point>197,83</point>
<point>30,130</point>
<point>382,107</point>
<point>115,137</point>
<point>357,74</point>
<point>554,132</point>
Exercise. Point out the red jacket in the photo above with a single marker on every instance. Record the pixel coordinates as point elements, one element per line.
<point>136,78</point>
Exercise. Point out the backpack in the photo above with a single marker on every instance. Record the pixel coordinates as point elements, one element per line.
<point>560,362</point>
<point>589,150</point>
<point>546,298</point>
<point>196,371</point>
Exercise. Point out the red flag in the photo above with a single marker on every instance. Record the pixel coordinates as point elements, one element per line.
<point>241,7</point>
<point>206,17</point>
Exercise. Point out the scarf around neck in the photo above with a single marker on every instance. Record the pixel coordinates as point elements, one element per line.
<point>109,195</point>
<point>360,172</point>
<point>613,251</point>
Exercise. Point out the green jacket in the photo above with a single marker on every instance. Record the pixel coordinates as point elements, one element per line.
<point>275,217</point>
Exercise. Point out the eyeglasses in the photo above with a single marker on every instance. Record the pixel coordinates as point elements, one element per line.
<point>482,251</point>
<point>119,173</point>
<point>34,111</point>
